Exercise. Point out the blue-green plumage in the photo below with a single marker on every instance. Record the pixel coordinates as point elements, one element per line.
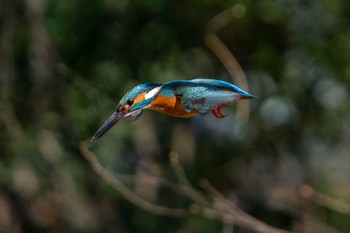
<point>179,98</point>
<point>204,94</point>
<point>133,93</point>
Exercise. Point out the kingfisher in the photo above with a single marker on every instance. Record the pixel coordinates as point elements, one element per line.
<point>178,98</point>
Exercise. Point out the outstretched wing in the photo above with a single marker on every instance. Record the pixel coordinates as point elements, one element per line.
<point>204,98</point>
<point>223,85</point>
<point>201,97</point>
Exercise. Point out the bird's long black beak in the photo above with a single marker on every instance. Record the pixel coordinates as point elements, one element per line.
<point>112,120</point>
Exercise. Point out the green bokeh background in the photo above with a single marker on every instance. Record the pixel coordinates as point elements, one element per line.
<point>65,64</point>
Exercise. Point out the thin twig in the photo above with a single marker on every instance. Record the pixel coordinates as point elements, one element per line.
<point>211,190</point>
<point>225,212</point>
<point>242,220</point>
<point>202,205</point>
<point>226,203</point>
<point>181,176</point>
<point>125,191</point>
<point>323,199</point>
<point>226,57</point>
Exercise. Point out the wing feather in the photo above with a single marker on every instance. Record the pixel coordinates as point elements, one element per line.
<point>223,85</point>
<point>203,98</point>
<point>203,95</point>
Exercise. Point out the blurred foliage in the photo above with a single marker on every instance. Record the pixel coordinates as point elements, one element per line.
<point>65,64</point>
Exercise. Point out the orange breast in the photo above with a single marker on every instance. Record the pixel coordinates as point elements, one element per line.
<point>170,106</point>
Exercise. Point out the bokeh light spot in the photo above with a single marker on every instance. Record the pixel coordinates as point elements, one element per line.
<point>277,111</point>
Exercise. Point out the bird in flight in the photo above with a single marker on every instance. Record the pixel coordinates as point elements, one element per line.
<point>178,98</point>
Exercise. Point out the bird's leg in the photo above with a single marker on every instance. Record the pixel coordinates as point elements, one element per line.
<point>217,111</point>
<point>214,113</point>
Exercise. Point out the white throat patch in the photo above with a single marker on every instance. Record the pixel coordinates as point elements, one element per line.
<point>153,92</point>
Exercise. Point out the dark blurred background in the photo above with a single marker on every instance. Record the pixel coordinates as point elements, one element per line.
<point>65,64</point>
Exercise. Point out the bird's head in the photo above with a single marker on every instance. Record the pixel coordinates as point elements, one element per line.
<point>130,106</point>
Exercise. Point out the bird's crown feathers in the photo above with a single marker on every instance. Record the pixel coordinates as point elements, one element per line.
<point>133,93</point>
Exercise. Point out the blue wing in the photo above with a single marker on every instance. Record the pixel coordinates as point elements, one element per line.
<point>223,85</point>
<point>203,95</point>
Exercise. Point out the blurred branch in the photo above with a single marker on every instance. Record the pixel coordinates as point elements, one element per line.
<point>226,57</point>
<point>222,210</point>
<point>295,201</point>
<point>125,191</point>
<point>181,176</point>
<point>218,197</point>
<point>324,200</point>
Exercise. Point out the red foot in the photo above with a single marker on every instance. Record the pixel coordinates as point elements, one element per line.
<point>214,113</point>
<point>217,111</point>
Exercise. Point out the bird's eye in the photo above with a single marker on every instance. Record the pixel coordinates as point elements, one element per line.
<point>130,102</point>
